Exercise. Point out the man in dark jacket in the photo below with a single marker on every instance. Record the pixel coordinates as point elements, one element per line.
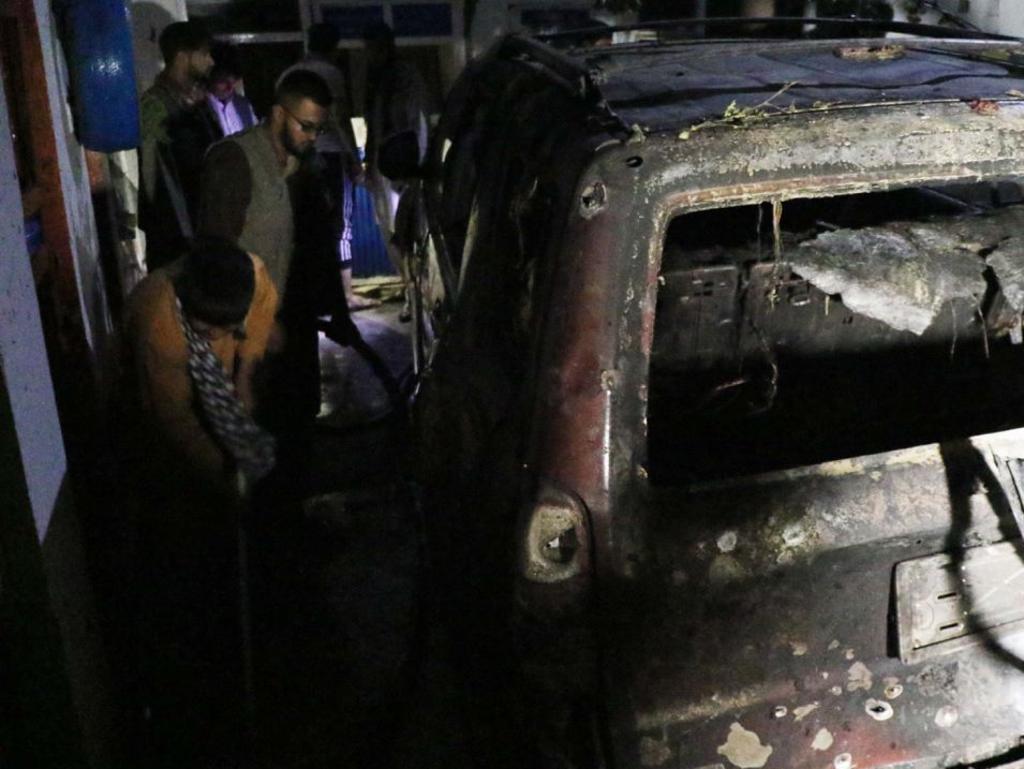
<point>176,130</point>
<point>231,111</point>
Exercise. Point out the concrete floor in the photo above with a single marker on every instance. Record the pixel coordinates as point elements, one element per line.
<point>352,670</point>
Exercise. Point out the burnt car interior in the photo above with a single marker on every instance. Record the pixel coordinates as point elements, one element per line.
<point>810,330</point>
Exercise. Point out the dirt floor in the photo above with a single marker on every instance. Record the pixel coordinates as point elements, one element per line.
<point>351,665</point>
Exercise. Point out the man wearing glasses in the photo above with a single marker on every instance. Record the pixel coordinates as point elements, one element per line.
<point>337,146</point>
<point>262,191</point>
<point>249,178</point>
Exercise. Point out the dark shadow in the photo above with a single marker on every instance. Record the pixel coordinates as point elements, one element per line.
<point>38,719</point>
<point>754,368</point>
<point>966,471</point>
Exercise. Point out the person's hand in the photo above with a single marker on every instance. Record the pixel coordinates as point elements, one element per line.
<point>356,172</point>
<point>342,330</point>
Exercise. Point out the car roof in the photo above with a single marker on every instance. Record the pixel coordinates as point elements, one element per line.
<point>669,87</point>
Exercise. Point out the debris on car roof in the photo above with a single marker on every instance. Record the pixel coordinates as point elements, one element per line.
<point>871,52</point>
<point>671,87</point>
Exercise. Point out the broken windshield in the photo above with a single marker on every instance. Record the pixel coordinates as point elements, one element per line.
<point>812,330</point>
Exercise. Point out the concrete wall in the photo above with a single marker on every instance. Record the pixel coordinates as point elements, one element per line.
<point>23,351</point>
<point>149,17</point>
<point>79,209</point>
<point>1003,16</point>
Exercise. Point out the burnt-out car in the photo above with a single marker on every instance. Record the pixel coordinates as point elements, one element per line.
<point>721,435</point>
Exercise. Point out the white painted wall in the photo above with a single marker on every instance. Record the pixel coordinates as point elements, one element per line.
<point>23,351</point>
<point>149,17</point>
<point>1003,16</point>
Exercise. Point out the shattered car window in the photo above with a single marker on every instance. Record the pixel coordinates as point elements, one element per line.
<point>836,331</point>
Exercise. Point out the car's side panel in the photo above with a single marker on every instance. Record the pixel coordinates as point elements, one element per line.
<point>771,617</point>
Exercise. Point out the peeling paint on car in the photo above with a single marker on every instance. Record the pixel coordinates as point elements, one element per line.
<point>727,542</point>
<point>743,748</point>
<point>893,688</point>
<point>654,752</point>
<point>823,740</point>
<point>800,713</point>
<point>858,677</point>
<point>725,569</point>
<point>709,707</point>
<point>946,717</point>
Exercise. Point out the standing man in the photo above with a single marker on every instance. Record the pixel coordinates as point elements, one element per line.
<point>261,192</point>
<point>176,130</point>
<point>337,146</point>
<point>396,104</point>
<point>231,111</point>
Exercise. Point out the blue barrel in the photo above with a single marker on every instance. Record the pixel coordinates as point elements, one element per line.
<point>98,39</point>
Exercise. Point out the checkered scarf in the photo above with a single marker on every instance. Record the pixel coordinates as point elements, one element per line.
<point>252,447</point>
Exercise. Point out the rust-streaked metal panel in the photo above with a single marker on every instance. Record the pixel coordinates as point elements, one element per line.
<point>590,422</point>
<point>770,607</point>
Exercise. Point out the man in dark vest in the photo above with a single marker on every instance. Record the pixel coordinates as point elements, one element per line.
<point>176,130</point>
<point>337,146</point>
<point>262,191</point>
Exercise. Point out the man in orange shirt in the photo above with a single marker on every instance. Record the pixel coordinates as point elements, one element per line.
<point>217,298</point>
<point>198,330</point>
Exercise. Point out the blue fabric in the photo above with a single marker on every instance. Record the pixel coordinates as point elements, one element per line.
<point>369,256</point>
<point>33,234</point>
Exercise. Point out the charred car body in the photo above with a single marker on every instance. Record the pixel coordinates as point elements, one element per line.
<point>730,382</point>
